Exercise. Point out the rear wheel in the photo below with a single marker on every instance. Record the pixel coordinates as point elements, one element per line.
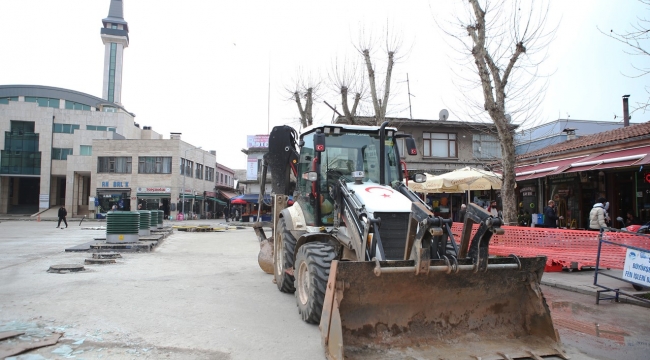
<point>313,262</point>
<point>283,247</point>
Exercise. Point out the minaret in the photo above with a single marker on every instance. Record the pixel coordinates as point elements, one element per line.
<point>115,36</point>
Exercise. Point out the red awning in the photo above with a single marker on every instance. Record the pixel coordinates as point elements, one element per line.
<point>534,171</point>
<point>227,194</point>
<point>613,159</point>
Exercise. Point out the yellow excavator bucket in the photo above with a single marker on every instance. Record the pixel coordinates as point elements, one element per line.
<point>382,310</point>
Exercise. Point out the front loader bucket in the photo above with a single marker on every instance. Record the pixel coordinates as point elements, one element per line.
<point>391,313</point>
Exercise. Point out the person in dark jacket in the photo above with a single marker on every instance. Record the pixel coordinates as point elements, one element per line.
<point>550,217</point>
<point>462,212</point>
<point>62,214</point>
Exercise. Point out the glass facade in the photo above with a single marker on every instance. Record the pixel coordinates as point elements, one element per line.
<point>61,153</point>
<point>111,73</point>
<point>43,102</point>
<point>71,105</point>
<point>64,128</point>
<point>21,155</point>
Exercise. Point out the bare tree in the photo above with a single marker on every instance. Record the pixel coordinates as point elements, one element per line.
<point>636,41</point>
<point>502,43</point>
<point>347,81</point>
<point>365,46</point>
<point>305,89</point>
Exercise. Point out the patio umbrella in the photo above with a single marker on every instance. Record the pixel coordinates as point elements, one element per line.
<point>421,187</point>
<point>237,201</point>
<point>465,179</point>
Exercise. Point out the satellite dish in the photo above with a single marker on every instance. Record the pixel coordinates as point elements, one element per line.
<point>443,115</point>
<point>508,118</point>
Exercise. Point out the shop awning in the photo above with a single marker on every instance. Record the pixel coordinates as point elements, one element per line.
<point>227,194</point>
<point>190,197</point>
<point>534,171</point>
<point>217,201</point>
<point>153,195</point>
<point>252,198</point>
<point>613,159</point>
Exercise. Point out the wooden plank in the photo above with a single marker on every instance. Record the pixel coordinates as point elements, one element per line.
<point>15,349</point>
<point>9,334</point>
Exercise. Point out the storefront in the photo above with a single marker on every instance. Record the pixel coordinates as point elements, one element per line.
<point>643,196</point>
<point>564,189</point>
<point>108,197</point>
<point>154,198</point>
<point>527,197</point>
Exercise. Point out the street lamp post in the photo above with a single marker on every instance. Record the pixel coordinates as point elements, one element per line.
<point>184,176</point>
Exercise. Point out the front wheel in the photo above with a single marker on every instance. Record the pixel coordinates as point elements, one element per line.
<point>283,246</point>
<point>312,270</point>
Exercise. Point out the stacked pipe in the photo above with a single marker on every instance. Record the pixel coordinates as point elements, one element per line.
<point>145,220</point>
<point>122,226</point>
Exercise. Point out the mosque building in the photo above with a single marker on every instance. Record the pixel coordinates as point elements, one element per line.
<point>63,147</point>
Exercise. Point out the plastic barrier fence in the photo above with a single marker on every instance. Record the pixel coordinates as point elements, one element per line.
<point>573,249</point>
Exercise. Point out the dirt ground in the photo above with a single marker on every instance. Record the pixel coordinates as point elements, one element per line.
<point>197,296</point>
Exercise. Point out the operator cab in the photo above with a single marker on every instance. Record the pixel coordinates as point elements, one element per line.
<point>335,152</point>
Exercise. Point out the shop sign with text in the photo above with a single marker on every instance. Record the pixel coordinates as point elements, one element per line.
<point>637,267</point>
<point>154,190</point>
<point>115,184</point>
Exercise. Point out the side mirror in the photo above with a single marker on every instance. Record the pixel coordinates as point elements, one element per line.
<point>319,142</point>
<point>419,178</point>
<point>410,146</point>
<point>310,176</point>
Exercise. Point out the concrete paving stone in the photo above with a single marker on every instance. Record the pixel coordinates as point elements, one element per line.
<point>93,261</point>
<point>106,255</point>
<point>83,247</point>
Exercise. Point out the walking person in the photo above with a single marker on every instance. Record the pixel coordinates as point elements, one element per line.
<point>550,216</point>
<point>597,215</point>
<point>62,214</point>
<point>462,212</point>
<point>492,209</point>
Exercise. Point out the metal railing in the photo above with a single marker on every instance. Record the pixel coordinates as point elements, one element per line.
<point>604,239</point>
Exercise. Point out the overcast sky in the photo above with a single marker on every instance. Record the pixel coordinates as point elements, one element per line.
<point>203,68</point>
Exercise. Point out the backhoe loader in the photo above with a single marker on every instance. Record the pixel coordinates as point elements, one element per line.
<point>385,278</point>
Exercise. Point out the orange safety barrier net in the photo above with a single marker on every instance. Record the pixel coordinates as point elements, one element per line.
<point>573,249</point>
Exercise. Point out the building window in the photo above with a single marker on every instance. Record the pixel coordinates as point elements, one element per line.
<point>114,164</point>
<point>99,128</point>
<point>199,171</point>
<point>60,154</point>
<point>486,146</point>
<point>64,128</point>
<point>154,165</point>
<point>439,145</point>
<point>43,102</point>
<point>85,150</point>
<point>6,100</point>
<point>111,73</point>
<point>186,167</point>
<point>71,105</point>
<point>209,173</point>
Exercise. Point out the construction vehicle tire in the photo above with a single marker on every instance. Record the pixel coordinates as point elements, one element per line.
<point>284,244</point>
<point>312,271</point>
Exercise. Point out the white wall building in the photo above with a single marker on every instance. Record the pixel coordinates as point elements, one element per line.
<point>64,147</point>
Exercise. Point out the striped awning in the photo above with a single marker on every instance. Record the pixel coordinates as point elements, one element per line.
<point>153,195</point>
<point>217,201</point>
